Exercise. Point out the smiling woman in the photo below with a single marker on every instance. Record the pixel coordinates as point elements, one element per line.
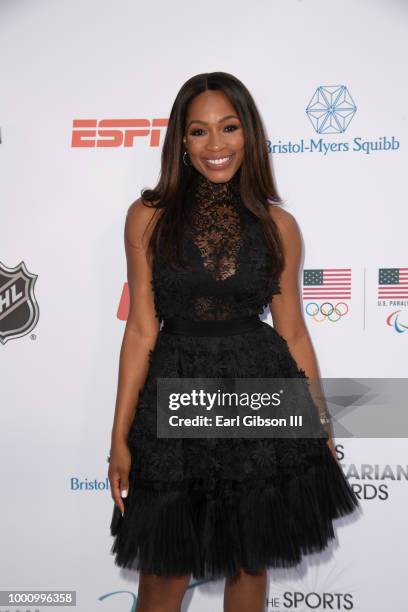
<point>208,250</point>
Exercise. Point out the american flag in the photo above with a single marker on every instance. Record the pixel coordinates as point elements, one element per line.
<point>327,283</point>
<point>392,283</point>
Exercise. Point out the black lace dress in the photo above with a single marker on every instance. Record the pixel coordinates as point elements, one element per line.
<point>212,506</point>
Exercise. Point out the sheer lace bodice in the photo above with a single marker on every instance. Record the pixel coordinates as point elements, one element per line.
<point>231,262</point>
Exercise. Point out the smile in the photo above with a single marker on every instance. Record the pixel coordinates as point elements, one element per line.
<point>220,162</point>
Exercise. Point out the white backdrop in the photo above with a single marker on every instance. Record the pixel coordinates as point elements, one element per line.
<point>62,213</point>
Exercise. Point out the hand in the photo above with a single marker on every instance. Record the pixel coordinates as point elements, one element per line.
<point>118,473</point>
<point>330,444</point>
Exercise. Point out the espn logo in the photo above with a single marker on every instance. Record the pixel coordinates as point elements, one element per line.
<point>116,132</point>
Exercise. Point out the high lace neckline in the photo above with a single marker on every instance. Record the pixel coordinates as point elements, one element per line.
<point>209,191</point>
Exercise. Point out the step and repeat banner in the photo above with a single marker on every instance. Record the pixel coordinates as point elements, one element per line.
<point>87,88</point>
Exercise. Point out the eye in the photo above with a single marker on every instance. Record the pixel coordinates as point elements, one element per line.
<point>231,125</point>
<point>194,132</point>
<point>236,127</point>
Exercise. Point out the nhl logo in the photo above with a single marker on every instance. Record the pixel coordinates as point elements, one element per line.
<point>19,310</point>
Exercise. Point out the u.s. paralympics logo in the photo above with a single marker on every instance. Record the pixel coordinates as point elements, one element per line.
<point>19,311</point>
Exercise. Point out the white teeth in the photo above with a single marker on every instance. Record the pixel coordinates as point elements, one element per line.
<point>219,161</point>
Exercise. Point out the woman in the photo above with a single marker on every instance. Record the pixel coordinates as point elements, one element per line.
<point>207,250</point>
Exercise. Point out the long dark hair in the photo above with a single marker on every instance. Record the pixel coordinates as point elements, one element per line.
<point>256,182</point>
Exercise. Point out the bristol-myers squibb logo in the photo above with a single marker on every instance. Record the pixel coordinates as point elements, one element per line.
<point>330,111</point>
<point>19,311</point>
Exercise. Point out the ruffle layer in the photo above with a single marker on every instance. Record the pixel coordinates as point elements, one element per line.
<point>178,528</point>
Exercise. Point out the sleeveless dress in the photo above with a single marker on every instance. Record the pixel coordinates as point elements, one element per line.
<point>210,506</point>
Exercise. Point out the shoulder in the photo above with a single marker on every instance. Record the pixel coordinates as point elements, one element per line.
<point>285,222</point>
<point>283,218</point>
<point>140,210</point>
<point>139,217</point>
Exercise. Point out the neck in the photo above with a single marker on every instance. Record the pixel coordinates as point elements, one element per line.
<point>229,187</point>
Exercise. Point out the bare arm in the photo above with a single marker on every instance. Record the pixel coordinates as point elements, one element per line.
<point>286,311</point>
<point>140,335</point>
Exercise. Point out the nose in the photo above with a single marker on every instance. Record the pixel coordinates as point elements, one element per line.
<point>215,141</point>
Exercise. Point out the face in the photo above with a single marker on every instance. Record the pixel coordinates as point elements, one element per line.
<point>214,132</point>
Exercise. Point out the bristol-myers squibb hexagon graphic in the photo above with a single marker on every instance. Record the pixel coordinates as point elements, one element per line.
<point>331,109</point>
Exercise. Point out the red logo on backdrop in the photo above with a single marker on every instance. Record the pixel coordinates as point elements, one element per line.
<point>19,311</point>
<point>116,132</point>
<point>124,304</point>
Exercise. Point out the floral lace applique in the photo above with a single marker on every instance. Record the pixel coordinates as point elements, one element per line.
<point>217,226</point>
<point>232,275</point>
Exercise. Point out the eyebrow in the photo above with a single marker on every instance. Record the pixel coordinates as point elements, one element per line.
<point>205,123</point>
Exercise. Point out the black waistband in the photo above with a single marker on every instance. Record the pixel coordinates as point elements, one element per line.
<point>209,327</point>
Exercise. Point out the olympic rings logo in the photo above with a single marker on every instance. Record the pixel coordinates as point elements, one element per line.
<point>326,311</point>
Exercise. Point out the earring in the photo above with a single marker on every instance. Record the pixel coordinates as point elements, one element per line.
<point>184,159</point>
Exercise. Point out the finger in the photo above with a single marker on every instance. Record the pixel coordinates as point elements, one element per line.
<point>115,487</point>
<point>124,484</point>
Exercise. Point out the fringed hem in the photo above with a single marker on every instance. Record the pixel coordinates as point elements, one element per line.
<point>254,526</point>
